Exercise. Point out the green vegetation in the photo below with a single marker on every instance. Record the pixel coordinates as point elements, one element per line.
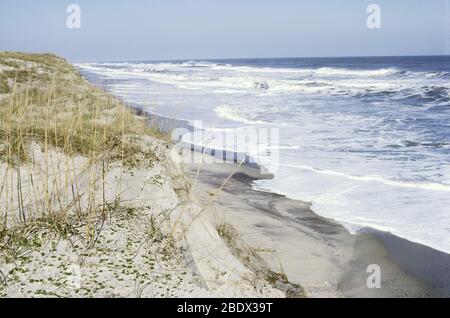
<point>51,104</point>
<point>20,68</point>
<point>59,138</point>
<point>51,107</point>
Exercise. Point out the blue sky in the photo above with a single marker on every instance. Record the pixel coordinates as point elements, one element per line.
<point>201,29</point>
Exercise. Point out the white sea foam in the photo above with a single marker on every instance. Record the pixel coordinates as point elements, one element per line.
<point>369,178</point>
<point>229,112</point>
<point>360,73</point>
<point>418,214</point>
<point>362,145</point>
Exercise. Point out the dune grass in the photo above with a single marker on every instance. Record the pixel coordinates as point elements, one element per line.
<point>60,109</point>
<point>49,109</point>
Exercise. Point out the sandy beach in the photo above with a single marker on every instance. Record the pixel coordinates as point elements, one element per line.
<point>315,252</point>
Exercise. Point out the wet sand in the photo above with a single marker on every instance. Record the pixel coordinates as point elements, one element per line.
<point>316,252</point>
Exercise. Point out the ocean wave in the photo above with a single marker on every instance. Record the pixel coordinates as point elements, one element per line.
<point>355,72</point>
<point>200,64</point>
<point>426,144</point>
<point>411,210</point>
<point>370,178</point>
<point>443,75</point>
<point>229,112</point>
<point>376,83</point>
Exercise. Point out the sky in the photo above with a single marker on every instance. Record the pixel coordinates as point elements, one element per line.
<point>115,30</point>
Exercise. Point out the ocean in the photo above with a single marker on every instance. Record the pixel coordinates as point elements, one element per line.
<point>365,140</point>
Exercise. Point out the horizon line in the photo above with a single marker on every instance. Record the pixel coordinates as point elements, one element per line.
<point>257,58</point>
<point>106,60</point>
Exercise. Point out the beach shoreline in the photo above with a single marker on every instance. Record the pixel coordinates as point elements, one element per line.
<point>355,160</point>
<point>341,268</point>
<point>318,253</point>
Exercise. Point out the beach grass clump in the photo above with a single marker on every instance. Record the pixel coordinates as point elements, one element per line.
<point>87,125</point>
<point>59,135</point>
<point>49,103</point>
<point>4,87</point>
